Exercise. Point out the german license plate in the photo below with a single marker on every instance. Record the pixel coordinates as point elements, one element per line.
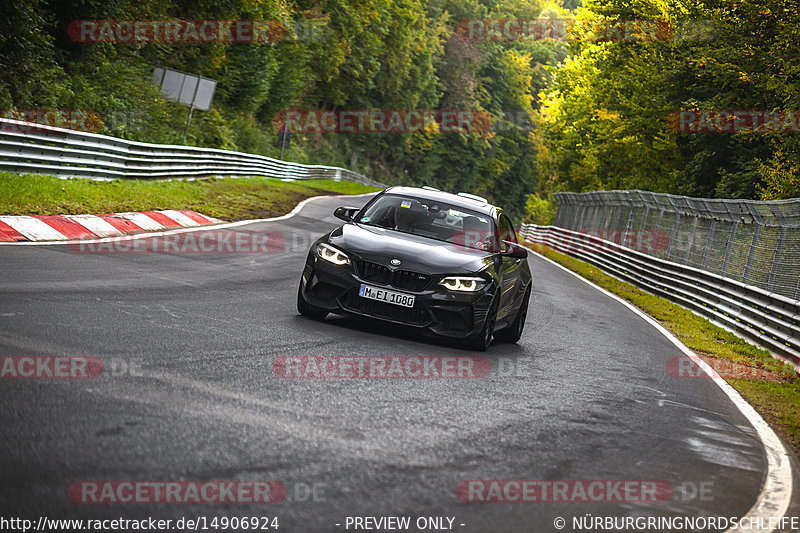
<point>390,297</point>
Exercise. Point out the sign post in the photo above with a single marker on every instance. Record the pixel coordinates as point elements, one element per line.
<point>188,120</point>
<point>284,137</point>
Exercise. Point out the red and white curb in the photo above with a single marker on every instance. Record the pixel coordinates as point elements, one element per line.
<point>79,227</point>
<point>120,218</point>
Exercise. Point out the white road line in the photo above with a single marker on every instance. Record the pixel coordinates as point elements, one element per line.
<point>225,225</point>
<point>34,229</point>
<point>776,492</point>
<point>95,224</point>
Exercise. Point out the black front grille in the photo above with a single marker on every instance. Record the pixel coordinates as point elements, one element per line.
<point>374,272</point>
<point>400,279</point>
<point>410,315</point>
<point>410,281</point>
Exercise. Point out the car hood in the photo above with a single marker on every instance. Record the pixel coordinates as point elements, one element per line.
<point>416,253</point>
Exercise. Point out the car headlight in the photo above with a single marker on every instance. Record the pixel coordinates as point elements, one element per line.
<point>463,283</point>
<point>332,255</point>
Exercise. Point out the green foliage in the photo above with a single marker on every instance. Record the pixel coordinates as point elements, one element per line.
<point>373,54</point>
<point>605,118</point>
<point>31,75</point>
<point>781,176</point>
<point>541,211</point>
<point>601,109</point>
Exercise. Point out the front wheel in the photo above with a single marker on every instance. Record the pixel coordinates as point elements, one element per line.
<point>514,331</point>
<point>306,309</point>
<point>484,338</point>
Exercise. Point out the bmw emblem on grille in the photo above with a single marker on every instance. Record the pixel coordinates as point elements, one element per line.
<point>395,262</point>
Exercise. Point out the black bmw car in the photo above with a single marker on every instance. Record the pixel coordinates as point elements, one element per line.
<point>448,264</point>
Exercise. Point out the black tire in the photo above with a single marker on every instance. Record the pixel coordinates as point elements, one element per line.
<point>483,339</point>
<point>513,332</point>
<point>306,309</point>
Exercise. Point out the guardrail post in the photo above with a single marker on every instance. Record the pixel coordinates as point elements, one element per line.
<point>691,240</point>
<point>673,233</point>
<point>566,214</point>
<point>751,253</point>
<point>660,217</point>
<point>583,210</point>
<point>729,248</point>
<point>573,220</point>
<point>561,205</point>
<point>599,211</point>
<point>776,259</point>
<point>629,224</point>
<point>710,243</point>
<point>773,273</point>
<point>646,204</point>
<point>610,217</point>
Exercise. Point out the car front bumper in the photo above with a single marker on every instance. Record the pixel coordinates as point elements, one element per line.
<point>436,310</point>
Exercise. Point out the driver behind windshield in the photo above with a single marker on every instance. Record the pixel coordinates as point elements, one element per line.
<point>406,215</point>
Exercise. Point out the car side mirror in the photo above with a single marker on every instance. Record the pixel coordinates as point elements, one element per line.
<point>346,213</point>
<point>514,250</point>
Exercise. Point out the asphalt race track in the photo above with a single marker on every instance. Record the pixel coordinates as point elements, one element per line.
<point>188,392</point>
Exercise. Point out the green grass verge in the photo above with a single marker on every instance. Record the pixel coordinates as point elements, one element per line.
<point>779,404</point>
<point>225,198</point>
<point>775,390</point>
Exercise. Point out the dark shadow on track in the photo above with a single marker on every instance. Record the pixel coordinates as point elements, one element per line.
<point>391,330</point>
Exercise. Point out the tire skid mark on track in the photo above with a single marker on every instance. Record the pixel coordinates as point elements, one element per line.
<point>171,399</point>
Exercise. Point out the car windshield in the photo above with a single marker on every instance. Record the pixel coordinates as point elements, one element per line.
<point>433,219</point>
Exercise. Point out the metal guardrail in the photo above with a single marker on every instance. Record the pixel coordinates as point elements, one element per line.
<point>768,319</point>
<point>755,242</point>
<point>40,149</point>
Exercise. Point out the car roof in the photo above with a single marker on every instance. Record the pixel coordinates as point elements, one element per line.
<point>478,206</point>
